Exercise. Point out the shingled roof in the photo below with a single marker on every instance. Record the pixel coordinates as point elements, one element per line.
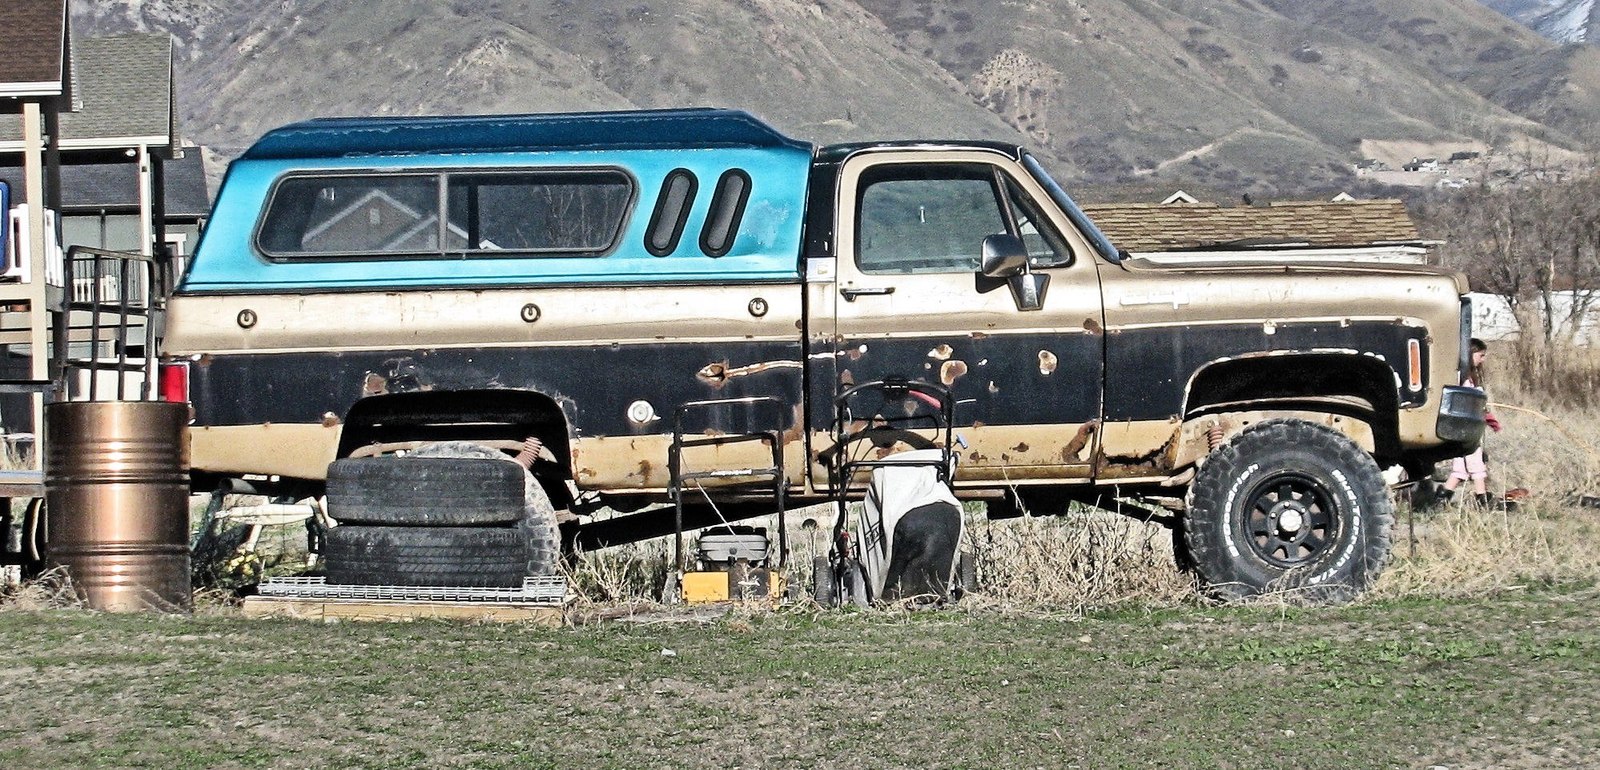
<point>33,49</point>
<point>1143,227</point>
<point>125,86</point>
<point>114,187</point>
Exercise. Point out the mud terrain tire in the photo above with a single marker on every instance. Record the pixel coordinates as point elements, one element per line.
<point>477,557</point>
<point>1288,506</point>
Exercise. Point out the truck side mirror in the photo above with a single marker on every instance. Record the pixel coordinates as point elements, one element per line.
<point>1005,260</point>
<point>1004,255</point>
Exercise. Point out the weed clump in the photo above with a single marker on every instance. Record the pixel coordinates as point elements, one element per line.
<point>50,590</point>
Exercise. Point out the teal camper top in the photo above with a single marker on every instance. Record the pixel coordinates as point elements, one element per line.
<point>649,196</point>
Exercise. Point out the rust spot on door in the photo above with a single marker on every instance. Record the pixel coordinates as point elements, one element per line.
<point>1154,462</point>
<point>941,353</point>
<point>715,374</point>
<point>1073,451</point>
<point>1092,326</point>
<point>951,371</point>
<point>1047,362</point>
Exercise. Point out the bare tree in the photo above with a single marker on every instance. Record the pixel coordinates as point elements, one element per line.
<point>1535,244</point>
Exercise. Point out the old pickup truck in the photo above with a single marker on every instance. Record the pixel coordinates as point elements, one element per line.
<point>366,285</point>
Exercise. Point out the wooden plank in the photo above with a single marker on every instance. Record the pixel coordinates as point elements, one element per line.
<point>357,609</point>
<point>21,484</point>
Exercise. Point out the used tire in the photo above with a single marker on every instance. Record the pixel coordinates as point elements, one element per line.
<point>1288,506</point>
<point>426,491</point>
<point>480,557</point>
<point>491,491</point>
<point>536,518</point>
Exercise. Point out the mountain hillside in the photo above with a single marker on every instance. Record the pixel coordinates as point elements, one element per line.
<point>1261,96</point>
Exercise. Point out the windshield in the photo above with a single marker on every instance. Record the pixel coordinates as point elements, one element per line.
<point>1097,239</point>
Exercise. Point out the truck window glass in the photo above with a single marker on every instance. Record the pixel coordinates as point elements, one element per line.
<point>1097,239</point>
<point>926,218</point>
<point>672,211</point>
<point>347,215</point>
<point>562,212</point>
<point>1046,247</point>
<point>388,215</point>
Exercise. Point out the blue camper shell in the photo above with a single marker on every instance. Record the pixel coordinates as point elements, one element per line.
<point>649,148</point>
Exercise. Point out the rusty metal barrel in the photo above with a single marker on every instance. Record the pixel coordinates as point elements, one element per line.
<point>117,496</point>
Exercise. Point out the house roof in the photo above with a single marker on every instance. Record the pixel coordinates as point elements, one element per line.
<point>1144,227</point>
<point>125,86</point>
<point>33,49</point>
<point>115,186</point>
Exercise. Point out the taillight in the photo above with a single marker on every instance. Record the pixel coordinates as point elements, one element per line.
<point>175,382</point>
<point>1414,357</point>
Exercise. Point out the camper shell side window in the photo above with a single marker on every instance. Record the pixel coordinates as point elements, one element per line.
<point>488,213</point>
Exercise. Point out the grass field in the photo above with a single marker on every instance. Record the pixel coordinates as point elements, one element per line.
<point>1508,682</point>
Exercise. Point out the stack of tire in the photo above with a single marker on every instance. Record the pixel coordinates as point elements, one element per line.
<point>451,514</point>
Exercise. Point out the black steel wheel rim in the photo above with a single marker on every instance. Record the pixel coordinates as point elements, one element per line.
<point>1290,519</point>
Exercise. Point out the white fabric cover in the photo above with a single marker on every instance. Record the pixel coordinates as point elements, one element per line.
<point>890,494</point>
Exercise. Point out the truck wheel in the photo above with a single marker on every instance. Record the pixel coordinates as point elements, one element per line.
<point>480,557</point>
<point>536,517</point>
<point>426,491</point>
<point>1288,505</point>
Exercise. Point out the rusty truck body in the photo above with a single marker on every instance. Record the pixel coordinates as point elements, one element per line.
<point>578,277</point>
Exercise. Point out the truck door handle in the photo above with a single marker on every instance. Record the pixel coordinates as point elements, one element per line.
<point>851,294</point>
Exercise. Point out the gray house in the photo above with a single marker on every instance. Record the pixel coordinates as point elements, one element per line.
<point>124,180</point>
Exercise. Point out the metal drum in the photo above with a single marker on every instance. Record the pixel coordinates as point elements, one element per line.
<point>117,496</point>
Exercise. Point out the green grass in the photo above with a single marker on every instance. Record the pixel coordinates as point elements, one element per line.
<point>1507,681</point>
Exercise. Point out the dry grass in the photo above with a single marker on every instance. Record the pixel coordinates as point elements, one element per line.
<point>1092,560</point>
<point>1468,551</point>
<point>1546,448</point>
<point>628,574</point>
<point>51,590</point>
<point>1087,560</point>
<point>1537,374</point>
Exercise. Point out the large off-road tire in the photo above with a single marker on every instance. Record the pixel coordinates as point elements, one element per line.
<point>481,557</point>
<point>1288,506</point>
<point>421,490</point>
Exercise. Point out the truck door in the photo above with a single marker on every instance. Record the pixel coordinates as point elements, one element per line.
<point>911,303</point>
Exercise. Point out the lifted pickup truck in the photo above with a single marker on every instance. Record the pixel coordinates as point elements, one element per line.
<point>367,284</point>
